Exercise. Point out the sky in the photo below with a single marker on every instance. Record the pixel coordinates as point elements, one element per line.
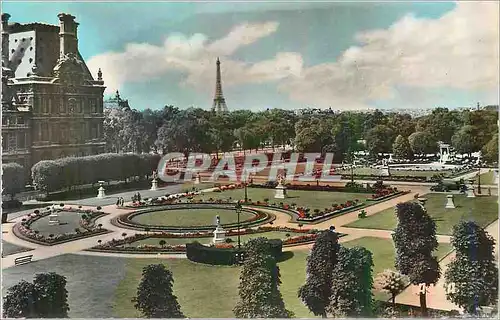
<point>344,55</point>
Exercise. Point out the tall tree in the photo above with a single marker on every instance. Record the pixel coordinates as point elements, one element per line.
<point>351,294</point>
<point>46,297</point>
<point>490,150</point>
<point>155,297</point>
<point>466,140</point>
<point>422,143</point>
<point>401,124</point>
<point>415,240</point>
<point>316,292</point>
<point>379,140</point>
<point>19,302</point>
<point>473,272</point>
<point>441,124</point>
<point>312,134</point>
<point>259,284</point>
<point>401,148</point>
<point>51,295</point>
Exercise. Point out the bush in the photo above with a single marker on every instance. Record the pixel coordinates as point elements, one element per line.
<point>223,256</point>
<point>98,208</point>
<point>11,204</point>
<point>12,178</point>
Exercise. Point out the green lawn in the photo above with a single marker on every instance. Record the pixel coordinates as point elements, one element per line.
<point>69,221</point>
<point>10,248</point>
<point>394,172</point>
<point>483,210</point>
<point>190,217</point>
<point>486,178</point>
<point>311,199</point>
<point>243,238</point>
<point>212,291</point>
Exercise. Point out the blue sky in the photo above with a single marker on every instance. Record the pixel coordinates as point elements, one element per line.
<point>344,55</point>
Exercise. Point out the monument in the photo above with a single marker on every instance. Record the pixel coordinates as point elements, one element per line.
<point>384,171</point>
<point>100,191</point>
<point>154,183</point>
<point>449,203</point>
<point>197,179</point>
<point>53,217</point>
<point>444,152</point>
<point>280,190</point>
<point>219,232</point>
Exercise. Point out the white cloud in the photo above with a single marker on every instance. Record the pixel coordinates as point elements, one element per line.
<point>195,57</point>
<point>458,51</point>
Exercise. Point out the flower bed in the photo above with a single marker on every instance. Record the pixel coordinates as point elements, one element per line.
<point>304,216</point>
<point>24,231</point>
<point>119,245</point>
<point>258,217</point>
<point>309,187</point>
<point>172,199</point>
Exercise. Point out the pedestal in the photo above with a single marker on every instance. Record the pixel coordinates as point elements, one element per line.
<point>101,193</point>
<point>53,219</point>
<point>197,180</point>
<point>449,203</point>
<point>154,185</point>
<point>280,192</point>
<point>470,192</point>
<point>384,171</point>
<point>219,235</point>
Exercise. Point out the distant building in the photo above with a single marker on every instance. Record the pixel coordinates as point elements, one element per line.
<point>51,105</point>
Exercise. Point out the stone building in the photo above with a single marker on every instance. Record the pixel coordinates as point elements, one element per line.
<point>51,105</point>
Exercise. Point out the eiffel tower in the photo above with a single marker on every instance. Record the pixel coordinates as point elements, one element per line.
<point>219,101</point>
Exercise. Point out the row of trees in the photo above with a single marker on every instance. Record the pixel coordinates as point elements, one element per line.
<point>197,130</point>
<point>54,175</point>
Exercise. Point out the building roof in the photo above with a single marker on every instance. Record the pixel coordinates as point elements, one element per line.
<point>17,27</point>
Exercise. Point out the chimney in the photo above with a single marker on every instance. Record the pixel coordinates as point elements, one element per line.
<point>5,39</point>
<point>67,35</point>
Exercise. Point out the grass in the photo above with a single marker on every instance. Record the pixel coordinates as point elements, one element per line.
<point>9,248</point>
<point>482,210</point>
<point>243,238</point>
<point>190,217</point>
<point>208,291</point>
<point>486,178</point>
<point>69,221</point>
<point>310,199</point>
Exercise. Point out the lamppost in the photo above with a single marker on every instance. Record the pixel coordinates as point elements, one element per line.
<point>246,193</point>
<point>238,211</point>
<point>479,175</point>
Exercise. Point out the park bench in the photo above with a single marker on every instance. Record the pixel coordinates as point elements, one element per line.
<point>23,260</point>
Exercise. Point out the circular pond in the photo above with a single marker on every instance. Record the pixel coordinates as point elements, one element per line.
<point>191,217</point>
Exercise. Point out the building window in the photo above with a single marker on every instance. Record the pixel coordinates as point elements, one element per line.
<point>12,142</point>
<point>94,132</point>
<point>4,142</point>
<point>5,121</point>
<point>93,106</point>
<point>20,120</point>
<point>21,140</point>
<point>71,105</point>
<point>61,106</point>
<point>45,131</point>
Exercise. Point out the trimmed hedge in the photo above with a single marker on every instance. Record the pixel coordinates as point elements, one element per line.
<point>12,178</point>
<point>54,175</point>
<point>224,256</point>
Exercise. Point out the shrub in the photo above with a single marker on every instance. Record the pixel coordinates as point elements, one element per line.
<point>99,208</point>
<point>13,178</point>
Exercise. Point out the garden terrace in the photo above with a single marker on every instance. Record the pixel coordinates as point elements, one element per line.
<point>191,217</point>
<point>73,224</point>
<point>483,210</point>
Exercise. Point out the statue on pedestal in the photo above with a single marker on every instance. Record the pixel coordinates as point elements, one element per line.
<point>154,183</point>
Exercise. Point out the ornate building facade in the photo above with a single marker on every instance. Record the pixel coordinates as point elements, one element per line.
<point>51,105</point>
